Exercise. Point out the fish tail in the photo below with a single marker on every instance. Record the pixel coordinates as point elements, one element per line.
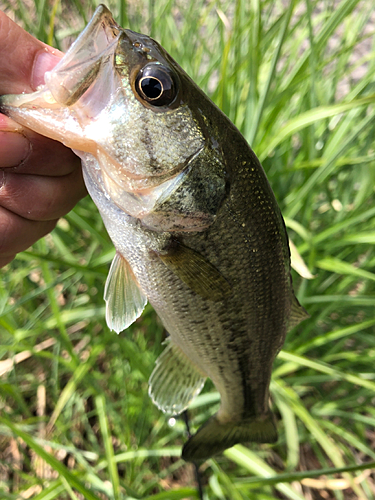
<point>215,437</point>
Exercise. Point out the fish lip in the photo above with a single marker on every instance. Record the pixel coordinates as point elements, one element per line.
<point>101,14</point>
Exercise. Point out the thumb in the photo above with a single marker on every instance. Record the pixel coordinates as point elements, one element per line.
<point>23,58</point>
<point>45,60</point>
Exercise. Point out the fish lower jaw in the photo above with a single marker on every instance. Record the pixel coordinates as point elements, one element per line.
<point>48,124</point>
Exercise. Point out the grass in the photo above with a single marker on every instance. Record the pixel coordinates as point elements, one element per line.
<point>297,78</point>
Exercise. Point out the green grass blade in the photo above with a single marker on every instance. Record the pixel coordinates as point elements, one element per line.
<point>302,361</point>
<point>58,466</point>
<point>298,476</point>
<point>107,439</point>
<point>251,462</point>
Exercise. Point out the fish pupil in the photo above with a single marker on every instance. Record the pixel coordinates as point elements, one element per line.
<point>151,87</point>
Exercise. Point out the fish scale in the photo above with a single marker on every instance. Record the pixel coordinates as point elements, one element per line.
<point>196,227</point>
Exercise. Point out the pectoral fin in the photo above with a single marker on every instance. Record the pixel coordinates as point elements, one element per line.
<point>175,381</point>
<point>124,300</point>
<point>197,273</point>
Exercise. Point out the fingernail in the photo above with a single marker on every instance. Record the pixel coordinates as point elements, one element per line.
<point>44,61</point>
<point>14,149</point>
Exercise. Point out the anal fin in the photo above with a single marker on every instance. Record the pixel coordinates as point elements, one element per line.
<point>124,300</point>
<point>175,381</point>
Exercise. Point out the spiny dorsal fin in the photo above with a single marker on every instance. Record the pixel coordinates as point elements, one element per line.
<point>196,272</point>
<point>297,314</point>
<point>175,381</point>
<point>124,300</point>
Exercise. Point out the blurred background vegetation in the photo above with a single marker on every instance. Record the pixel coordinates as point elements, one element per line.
<point>297,78</point>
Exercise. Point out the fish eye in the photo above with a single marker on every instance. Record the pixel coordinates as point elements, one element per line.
<point>156,85</point>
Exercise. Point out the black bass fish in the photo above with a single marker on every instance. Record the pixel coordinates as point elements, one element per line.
<point>196,227</point>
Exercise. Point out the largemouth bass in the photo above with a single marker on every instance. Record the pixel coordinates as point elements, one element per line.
<point>197,229</point>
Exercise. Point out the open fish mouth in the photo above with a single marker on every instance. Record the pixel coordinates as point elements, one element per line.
<point>93,49</point>
<point>77,72</point>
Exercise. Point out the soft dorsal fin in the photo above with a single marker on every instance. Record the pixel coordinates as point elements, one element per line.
<point>175,381</point>
<point>197,272</point>
<point>124,300</point>
<point>297,314</point>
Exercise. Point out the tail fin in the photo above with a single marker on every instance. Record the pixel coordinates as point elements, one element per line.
<point>214,437</point>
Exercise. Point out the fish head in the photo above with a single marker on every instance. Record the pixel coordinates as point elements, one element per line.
<point>119,97</point>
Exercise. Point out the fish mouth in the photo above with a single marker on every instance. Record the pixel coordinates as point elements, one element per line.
<point>50,110</point>
<point>82,84</point>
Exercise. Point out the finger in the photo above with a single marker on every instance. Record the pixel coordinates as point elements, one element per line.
<point>4,260</point>
<point>31,153</point>
<point>17,234</point>
<point>48,157</point>
<point>24,59</point>
<point>14,149</point>
<point>41,198</point>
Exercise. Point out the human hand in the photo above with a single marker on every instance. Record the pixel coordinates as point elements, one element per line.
<point>40,179</point>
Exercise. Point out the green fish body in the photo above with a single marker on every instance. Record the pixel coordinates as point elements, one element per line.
<point>196,227</point>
